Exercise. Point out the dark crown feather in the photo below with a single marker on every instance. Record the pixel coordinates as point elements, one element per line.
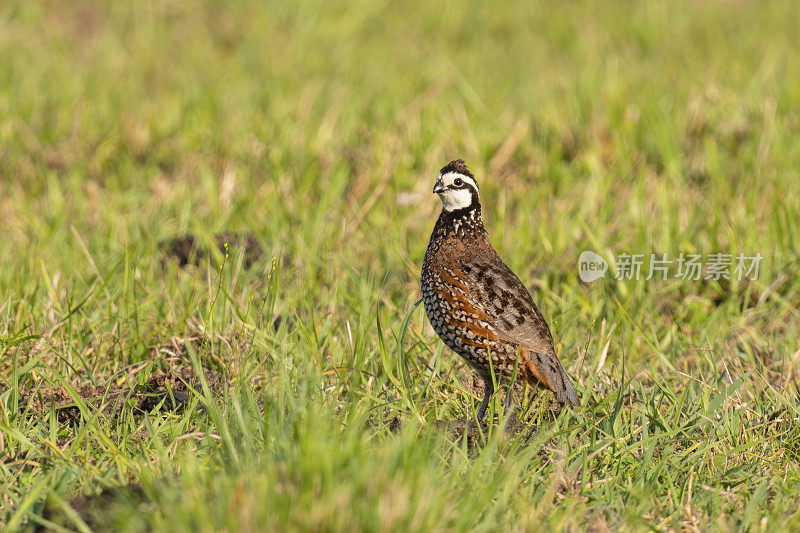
<point>459,167</point>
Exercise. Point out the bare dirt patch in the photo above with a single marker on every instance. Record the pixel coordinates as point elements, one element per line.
<point>171,390</point>
<point>188,249</point>
<point>93,509</point>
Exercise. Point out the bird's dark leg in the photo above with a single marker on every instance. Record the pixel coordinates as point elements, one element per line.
<point>488,390</point>
<point>509,407</point>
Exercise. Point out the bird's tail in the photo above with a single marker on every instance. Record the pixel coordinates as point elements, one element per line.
<point>552,375</point>
<point>566,394</point>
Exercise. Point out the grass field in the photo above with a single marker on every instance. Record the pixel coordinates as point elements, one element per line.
<point>306,391</point>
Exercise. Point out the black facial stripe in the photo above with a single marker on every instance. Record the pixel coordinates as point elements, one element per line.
<point>453,176</point>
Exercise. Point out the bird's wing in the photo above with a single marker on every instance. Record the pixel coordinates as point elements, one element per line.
<point>517,320</point>
<point>506,299</point>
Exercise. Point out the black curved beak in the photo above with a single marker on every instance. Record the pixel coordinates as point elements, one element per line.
<point>439,187</point>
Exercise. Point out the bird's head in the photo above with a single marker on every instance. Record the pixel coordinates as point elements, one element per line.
<point>456,187</point>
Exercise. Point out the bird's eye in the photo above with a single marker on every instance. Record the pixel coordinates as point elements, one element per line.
<point>458,182</point>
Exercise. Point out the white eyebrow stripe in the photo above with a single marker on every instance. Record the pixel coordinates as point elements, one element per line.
<point>450,177</point>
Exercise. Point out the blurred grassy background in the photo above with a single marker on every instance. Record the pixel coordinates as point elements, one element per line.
<point>661,127</point>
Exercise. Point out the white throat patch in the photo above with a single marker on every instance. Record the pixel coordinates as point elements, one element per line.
<point>453,200</point>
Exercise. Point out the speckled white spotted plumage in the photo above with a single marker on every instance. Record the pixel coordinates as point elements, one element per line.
<point>476,304</point>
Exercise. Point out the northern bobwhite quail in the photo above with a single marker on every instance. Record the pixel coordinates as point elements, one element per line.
<point>476,304</point>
